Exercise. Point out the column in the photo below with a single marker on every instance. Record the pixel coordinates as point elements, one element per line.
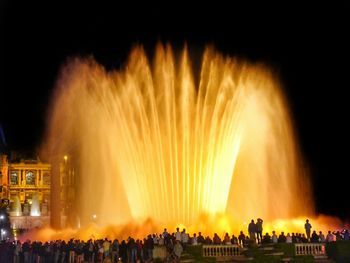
<point>23,178</point>
<point>37,177</point>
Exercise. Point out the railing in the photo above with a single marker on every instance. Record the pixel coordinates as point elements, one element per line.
<point>221,250</point>
<point>315,249</point>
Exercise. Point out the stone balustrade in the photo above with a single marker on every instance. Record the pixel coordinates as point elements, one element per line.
<point>221,250</point>
<point>315,249</point>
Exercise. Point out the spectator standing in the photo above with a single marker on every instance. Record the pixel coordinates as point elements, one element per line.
<point>252,230</point>
<point>308,227</point>
<point>259,229</point>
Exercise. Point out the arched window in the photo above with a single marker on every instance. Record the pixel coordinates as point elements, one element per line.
<point>14,178</point>
<point>30,178</point>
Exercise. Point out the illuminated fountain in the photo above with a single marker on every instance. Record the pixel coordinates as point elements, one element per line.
<point>16,207</point>
<point>151,143</point>
<point>35,206</point>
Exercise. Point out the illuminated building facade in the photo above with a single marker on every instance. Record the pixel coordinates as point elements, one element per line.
<point>25,186</point>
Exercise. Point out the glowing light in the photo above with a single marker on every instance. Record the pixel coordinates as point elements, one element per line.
<point>65,158</point>
<point>2,217</point>
<point>152,143</point>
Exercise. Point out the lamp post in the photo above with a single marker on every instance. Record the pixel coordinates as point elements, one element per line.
<point>2,231</point>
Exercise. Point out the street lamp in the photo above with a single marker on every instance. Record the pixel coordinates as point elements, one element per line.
<point>3,233</point>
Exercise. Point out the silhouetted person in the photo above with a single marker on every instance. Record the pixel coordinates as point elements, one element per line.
<point>308,229</point>
<point>216,239</point>
<point>266,239</point>
<point>282,238</point>
<point>346,235</point>
<point>259,229</point>
<point>252,230</point>
<point>241,239</point>
<point>200,238</point>
<point>314,237</point>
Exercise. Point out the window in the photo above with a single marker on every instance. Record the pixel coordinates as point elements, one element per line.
<point>46,178</point>
<point>14,178</point>
<point>30,178</point>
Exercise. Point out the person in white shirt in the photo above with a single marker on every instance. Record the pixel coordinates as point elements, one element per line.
<point>288,238</point>
<point>184,239</point>
<point>194,240</point>
<point>178,235</point>
<point>161,240</point>
<point>274,237</point>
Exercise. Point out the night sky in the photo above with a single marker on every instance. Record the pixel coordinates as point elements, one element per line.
<point>305,44</point>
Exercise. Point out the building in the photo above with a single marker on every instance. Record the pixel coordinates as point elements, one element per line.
<point>25,186</point>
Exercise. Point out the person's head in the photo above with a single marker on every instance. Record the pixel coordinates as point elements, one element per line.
<point>307,220</point>
<point>177,229</point>
<point>252,221</point>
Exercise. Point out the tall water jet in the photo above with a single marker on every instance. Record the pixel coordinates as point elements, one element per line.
<point>16,207</point>
<point>149,142</point>
<point>35,206</point>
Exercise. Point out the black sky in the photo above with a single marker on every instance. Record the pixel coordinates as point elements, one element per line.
<point>305,43</point>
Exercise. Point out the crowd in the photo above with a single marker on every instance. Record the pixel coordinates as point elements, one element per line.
<point>131,250</point>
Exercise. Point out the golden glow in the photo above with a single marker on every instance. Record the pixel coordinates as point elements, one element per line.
<point>151,143</point>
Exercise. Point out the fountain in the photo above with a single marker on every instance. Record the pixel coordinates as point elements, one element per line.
<point>35,206</point>
<point>151,143</point>
<point>16,207</point>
